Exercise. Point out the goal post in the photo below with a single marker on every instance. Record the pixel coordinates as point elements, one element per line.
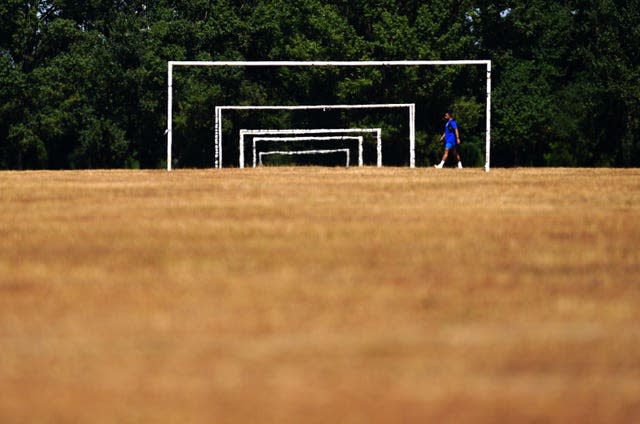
<point>174,64</point>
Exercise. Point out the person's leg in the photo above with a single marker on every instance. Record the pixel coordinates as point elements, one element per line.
<point>455,152</point>
<point>444,158</point>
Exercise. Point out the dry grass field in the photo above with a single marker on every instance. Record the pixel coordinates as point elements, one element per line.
<point>320,295</point>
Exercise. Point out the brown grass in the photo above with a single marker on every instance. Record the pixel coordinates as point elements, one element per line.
<point>320,295</point>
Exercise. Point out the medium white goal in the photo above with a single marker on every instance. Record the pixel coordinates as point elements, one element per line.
<point>411,117</point>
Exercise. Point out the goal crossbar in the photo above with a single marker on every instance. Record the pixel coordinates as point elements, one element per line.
<point>176,63</point>
<point>327,62</point>
<point>359,139</point>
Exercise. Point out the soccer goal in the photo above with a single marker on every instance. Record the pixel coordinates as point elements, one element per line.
<point>312,133</point>
<point>261,155</point>
<point>411,119</point>
<point>359,140</point>
<point>293,65</point>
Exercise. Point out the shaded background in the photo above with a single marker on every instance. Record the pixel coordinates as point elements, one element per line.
<point>83,84</point>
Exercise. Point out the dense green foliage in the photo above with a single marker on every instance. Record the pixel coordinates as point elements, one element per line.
<point>83,83</point>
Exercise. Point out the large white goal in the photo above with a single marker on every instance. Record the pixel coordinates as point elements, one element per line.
<point>391,63</point>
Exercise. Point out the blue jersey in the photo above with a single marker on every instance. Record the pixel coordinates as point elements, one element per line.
<point>450,131</point>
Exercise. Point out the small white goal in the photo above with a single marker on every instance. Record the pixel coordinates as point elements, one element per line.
<point>304,152</point>
<point>359,139</point>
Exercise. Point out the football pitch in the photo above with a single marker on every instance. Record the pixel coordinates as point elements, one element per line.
<point>320,295</point>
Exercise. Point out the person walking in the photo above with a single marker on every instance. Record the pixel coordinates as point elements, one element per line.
<point>451,137</point>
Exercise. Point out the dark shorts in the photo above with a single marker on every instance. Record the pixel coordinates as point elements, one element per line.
<point>450,146</point>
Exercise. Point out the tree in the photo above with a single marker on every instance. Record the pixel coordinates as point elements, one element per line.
<point>83,84</point>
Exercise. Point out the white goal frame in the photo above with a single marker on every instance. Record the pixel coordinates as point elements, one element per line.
<point>304,152</point>
<point>175,63</point>
<point>308,132</point>
<point>411,108</point>
<point>358,138</point>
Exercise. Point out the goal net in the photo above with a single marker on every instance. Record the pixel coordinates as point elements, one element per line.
<point>404,99</point>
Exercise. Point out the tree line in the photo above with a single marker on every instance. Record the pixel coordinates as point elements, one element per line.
<point>83,83</point>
